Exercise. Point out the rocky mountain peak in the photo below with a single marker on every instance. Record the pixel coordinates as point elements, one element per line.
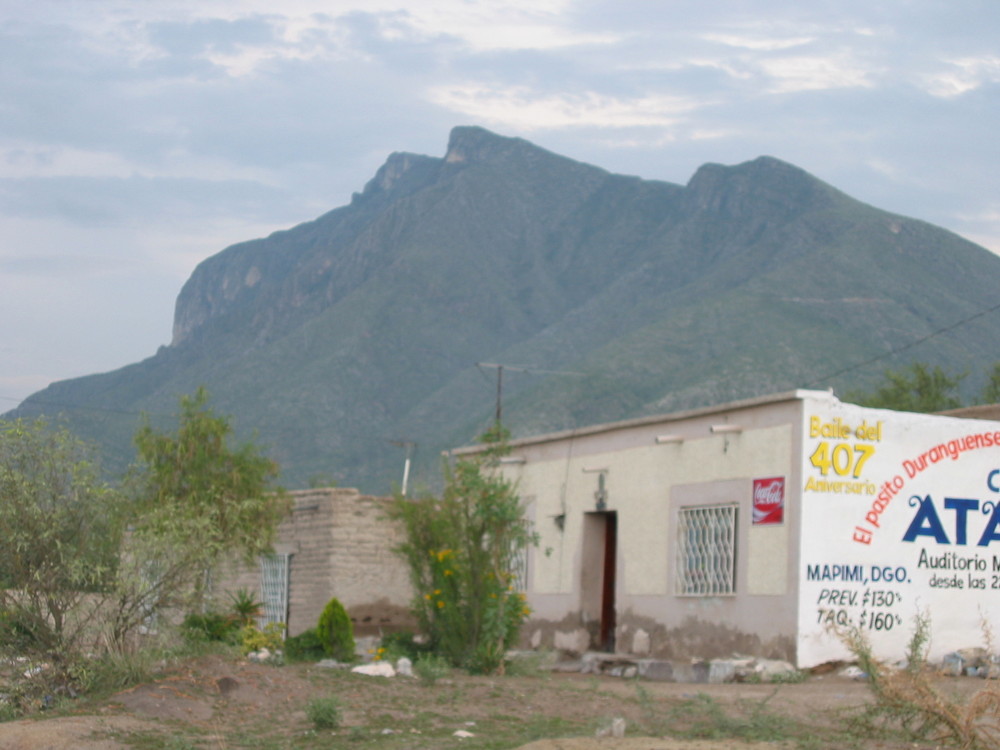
<point>470,144</point>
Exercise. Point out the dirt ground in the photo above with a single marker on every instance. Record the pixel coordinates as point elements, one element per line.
<point>220,703</point>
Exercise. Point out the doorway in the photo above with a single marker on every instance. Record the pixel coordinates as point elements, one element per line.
<point>599,568</point>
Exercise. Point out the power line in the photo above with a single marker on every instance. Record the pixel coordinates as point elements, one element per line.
<point>903,348</point>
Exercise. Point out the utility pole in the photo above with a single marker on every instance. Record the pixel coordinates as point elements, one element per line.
<point>408,445</point>
<point>515,368</point>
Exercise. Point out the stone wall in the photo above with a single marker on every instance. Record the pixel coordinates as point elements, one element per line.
<point>341,545</point>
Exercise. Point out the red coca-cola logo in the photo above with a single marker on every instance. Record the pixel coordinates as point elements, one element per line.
<point>768,500</point>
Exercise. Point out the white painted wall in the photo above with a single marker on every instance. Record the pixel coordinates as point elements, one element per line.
<point>941,559</point>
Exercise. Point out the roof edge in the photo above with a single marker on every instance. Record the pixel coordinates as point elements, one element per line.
<point>748,403</point>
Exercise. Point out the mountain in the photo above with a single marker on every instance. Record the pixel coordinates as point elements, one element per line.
<point>335,338</point>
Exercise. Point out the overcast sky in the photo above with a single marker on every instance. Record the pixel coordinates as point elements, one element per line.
<point>139,138</point>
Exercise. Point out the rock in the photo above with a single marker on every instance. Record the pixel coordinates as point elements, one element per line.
<point>854,672</point>
<point>768,669</point>
<point>404,667</point>
<point>952,664</point>
<point>640,642</point>
<point>589,664</point>
<point>573,641</point>
<point>618,727</point>
<point>721,670</point>
<point>462,734</point>
<point>615,729</point>
<point>376,669</point>
<point>658,670</point>
<point>973,657</point>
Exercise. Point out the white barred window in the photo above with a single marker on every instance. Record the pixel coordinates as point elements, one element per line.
<point>706,550</point>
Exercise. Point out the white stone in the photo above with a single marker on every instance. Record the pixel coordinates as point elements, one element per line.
<point>404,667</point>
<point>462,734</point>
<point>376,669</point>
<point>573,641</point>
<point>768,668</point>
<point>618,727</point>
<point>854,672</point>
<point>640,642</point>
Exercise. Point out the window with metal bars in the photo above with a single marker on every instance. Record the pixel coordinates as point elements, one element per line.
<point>706,550</point>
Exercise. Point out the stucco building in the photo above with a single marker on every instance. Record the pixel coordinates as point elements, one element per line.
<point>760,527</point>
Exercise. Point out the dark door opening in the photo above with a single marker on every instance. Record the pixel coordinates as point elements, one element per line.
<point>600,556</point>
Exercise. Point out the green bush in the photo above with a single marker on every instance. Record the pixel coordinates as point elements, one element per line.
<point>403,643</point>
<point>253,639</point>
<point>210,626</point>
<point>463,551</point>
<point>336,632</point>
<point>305,646</point>
<point>430,668</point>
<point>324,712</point>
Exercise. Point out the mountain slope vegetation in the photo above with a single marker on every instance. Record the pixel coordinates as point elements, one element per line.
<point>339,340</point>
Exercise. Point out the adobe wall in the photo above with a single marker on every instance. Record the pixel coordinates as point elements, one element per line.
<point>341,545</point>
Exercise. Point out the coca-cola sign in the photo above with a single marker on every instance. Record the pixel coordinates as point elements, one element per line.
<point>768,501</point>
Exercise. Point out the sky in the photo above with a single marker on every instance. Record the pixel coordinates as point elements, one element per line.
<point>138,138</point>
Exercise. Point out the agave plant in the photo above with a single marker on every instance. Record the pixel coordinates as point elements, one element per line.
<point>245,606</point>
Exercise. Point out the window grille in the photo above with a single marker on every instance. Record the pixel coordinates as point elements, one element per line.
<point>706,551</point>
<point>274,589</point>
<point>519,569</point>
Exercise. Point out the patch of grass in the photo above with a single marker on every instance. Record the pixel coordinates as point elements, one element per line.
<point>157,741</point>
<point>430,668</point>
<point>703,717</point>
<point>527,664</point>
<point>324,712</point>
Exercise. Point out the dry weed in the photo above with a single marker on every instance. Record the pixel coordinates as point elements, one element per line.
<point>907,698</point>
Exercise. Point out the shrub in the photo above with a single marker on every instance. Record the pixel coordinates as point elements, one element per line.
<point>305,646</point>
<point>245,606</point>
<point>324,712</point>
<point>336,632</point>
<point>907,699</point>
<point>430,668</point>
<point>403,643</point>
<point>463,551</point>
<point>210,626</point>
<point>253,639</point>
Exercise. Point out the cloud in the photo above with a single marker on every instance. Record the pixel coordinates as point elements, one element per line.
<point>963,75</point>
<point>527,110</point>
<point>815,73</point>
<point>759,43</point>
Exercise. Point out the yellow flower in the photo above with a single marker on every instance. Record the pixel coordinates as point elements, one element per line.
<point>448,572</point>
<point>437,592</point>
<point>427,597</point>
<point>440,604</point>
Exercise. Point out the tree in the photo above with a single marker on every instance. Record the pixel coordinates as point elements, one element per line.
<point>991,391</point>
<point>198,500</point>
<point>916,388</point>
<point>462,550</point>
<point>60,530</point>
